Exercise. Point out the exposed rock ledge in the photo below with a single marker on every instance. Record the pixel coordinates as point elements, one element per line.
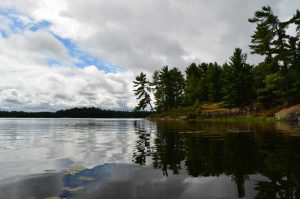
<point>292,113</point>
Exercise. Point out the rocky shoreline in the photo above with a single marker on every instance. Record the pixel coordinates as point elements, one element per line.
<point>292,113</point>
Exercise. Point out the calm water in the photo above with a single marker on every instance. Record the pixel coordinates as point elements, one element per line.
<point>121,158</point>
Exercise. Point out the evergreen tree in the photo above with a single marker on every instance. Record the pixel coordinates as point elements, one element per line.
<point>263,35</point>
<point>178,87</point>
<point>197,83</point>
<point>214,82</point>
<point>271,40</point>
<point>169,86</point>
<point>192,88</point>
<point>142,92</point>
<point>203,82</point>
<point>272,95</point>
<point>237,79</point>
<point>158,89</point>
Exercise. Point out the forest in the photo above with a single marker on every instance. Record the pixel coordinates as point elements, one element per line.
<point>274,82</point>
<point>85,112</point>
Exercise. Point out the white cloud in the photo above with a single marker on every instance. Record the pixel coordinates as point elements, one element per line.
<point>28,83</point>
<point>65,87</point>
<point>23,51</point>
<point>148,34</point>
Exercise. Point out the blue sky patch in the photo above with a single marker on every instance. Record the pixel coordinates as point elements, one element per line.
<point>3,33</point>
<point>14,22</point>
<point>17,25</point>
<point>41,25</point>
<point>83,58</point>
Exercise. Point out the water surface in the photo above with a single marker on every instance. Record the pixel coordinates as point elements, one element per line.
<point>135,158</point>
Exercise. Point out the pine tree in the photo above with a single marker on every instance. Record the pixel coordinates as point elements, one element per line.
<point>237,79</point>
<point>214,82</point>
<point>271,40</point>
<point>142,92</point>
<point>192,92</point>
<point>169,88</point>
<point>263,35</point>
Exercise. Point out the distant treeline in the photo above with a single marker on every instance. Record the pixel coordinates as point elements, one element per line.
<point>89,112</point>
<point>273,83</point>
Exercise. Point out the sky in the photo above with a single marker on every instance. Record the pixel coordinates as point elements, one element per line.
<point>58,54</point>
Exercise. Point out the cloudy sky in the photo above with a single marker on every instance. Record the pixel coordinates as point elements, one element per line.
<point>57,54</point>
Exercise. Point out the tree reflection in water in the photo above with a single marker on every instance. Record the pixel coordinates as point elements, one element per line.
<point>231,149</point>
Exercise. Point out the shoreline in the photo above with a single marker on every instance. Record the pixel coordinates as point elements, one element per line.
<point>211,112</point>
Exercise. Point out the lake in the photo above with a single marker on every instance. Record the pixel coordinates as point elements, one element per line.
<point>136,158</point>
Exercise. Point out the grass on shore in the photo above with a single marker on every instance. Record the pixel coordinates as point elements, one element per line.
<point>193,112</point>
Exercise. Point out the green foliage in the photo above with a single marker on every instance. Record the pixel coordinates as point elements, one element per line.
<point>237,79</point>
<point>214,82</point>
<point>280,49</point>
<point>193,84</point>
<point>142,92</point>
<point>273,92</point>
<point>263,35</point>
<point>294,81</point>
<point>203,83</point>
<point>168,88</point>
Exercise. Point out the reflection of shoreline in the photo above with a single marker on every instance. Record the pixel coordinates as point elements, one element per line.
<point>227,126</point>
<point>234,149</point>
